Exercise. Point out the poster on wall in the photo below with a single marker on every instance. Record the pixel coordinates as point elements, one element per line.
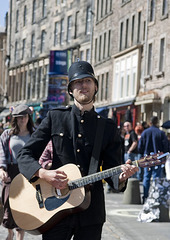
<point>59,62</point>
<point>57,89</point>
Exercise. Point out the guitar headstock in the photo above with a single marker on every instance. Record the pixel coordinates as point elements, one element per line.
<point>153,160</point>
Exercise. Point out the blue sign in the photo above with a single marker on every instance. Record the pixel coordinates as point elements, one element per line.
<point>58,62</point>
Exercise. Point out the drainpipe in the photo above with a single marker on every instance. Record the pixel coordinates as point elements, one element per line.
<point>92,26</point>
<point>145,58</point>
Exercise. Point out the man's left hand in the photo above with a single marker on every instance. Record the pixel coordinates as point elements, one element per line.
<point>127,171</point>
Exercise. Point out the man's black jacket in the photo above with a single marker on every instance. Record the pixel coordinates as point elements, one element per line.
<point>73,137</point>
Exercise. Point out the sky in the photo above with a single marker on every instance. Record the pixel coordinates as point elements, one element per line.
<point>4,4</point>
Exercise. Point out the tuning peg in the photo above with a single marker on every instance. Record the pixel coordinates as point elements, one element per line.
<point>149,168</point>
<point>152,153</point>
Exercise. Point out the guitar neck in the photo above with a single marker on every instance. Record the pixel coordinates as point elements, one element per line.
<point>94,178</point>
<point>147,161</point>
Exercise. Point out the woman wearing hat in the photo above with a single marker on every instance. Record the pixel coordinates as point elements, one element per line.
<point>11,141</point>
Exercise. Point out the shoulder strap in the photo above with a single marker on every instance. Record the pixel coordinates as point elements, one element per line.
<point>97,146</point>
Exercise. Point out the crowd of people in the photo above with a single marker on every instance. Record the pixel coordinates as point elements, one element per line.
<point>143,140</point>
<point>73,135</point>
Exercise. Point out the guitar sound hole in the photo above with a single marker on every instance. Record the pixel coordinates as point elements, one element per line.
<point>62,193</point>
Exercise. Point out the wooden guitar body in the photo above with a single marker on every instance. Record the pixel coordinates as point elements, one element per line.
<point>37,214</point>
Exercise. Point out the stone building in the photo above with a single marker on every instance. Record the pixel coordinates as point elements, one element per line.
<point>135,57</point>
<point>126,41</point>
<point>3,70</point>
<point>35,28</point>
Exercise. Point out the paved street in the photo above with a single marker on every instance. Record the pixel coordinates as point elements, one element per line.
<point>122,223</point>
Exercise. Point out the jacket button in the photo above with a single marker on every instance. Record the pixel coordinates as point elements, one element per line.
<point>82,121</point>
<point>61,134</point>
<point>78,150</point>
<point>79,135</point>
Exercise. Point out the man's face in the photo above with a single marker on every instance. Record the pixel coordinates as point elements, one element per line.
<point>83,90</point>
<point>127,126</point>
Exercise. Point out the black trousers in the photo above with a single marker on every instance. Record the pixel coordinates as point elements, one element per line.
<point>65,231</point>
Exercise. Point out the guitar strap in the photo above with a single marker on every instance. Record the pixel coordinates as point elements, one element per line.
<point>97,146</point>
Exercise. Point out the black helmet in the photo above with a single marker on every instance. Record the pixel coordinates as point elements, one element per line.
<point>80,70</point>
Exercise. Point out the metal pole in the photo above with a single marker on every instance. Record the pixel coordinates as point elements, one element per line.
<point>92,25</point>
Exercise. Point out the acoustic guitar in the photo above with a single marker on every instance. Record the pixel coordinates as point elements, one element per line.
<point>36,207</point>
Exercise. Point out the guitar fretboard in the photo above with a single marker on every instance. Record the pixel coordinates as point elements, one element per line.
<point>94,178</point>
<point>146,161</point>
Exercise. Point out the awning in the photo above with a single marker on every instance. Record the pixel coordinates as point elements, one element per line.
<point>121,104</point>
<point>103,111</point>
<point>98,110</point>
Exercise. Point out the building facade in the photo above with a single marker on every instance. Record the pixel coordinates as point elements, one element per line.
<point>35,28</point>
<point>126,41</point>
<point>135,57</point>
<point>3,69</point>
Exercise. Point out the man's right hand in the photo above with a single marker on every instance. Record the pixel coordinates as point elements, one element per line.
<point>58,179</point>
<point>3,175</point>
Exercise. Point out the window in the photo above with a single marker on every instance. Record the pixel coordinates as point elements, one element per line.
<point>104,45</point>
<point>164,7</point>
<point>149,65</point>
<point>127,81</point>
<point>69,23</point>
<point>39,82</point>
<point>144,30</point>
<point>110,5</point>
<point>106,6</point>
<point>57,2</point>
<point>125,76</point>
<point>88,55</point>
<point>56,34</point>
<point>42,41</point>
<point>139,27</point>
<point>82,55</point>
<point>97,16</point>
<point>101,9</point>
<point>17,20</point>
<point>76,25</point>
<point>44,8</point>
<point>95,55</point>
<point>62,32</point>
<point>16,55</point>
<point>29,85</point>
<point>133,29</point>
<point>162,55</point>
<point>127,32</point>
<point>88,21</point>
<point>102,88</point>
<point>34,77</point>
<point>33,45</point>
<point>107,87</point>
<point>100,44</point>
<point>23,48</point>
<point>152,10</point>
<point>122,75</point>
<point>25,16</point>
<point>109,41</point>
<point>121,36</point>
<point>34,11</point>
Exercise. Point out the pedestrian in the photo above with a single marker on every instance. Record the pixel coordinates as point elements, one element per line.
<point>152,141</point>
<point>11,141</point>
<point>138,130</point>
<point>72,131</point>
<point>145,125</point>
<point>130,143</point>
<point>47,156</point>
